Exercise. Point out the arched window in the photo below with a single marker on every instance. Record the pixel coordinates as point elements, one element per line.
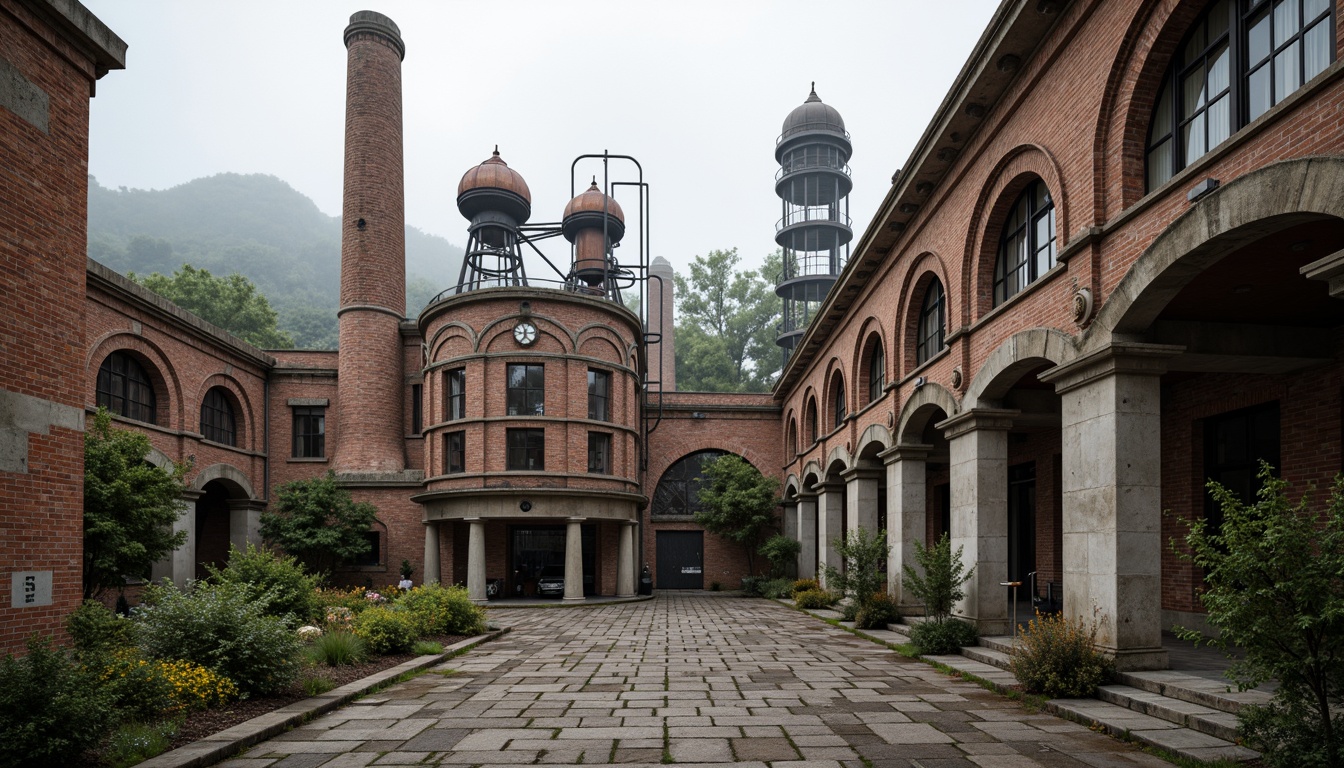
<point>932,323</point>
<point>217,417</point>
<point>124,388</point>
<point>1240,58</point>
<point>793,437</point>
<point>877,372</point>
<point>1027,246</point>
<point>811,417</point>
<point>838,410</point>
<point>678,491</point>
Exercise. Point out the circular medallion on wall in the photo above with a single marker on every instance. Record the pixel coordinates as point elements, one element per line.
<point>1081,305</point>
<point>525,333</point>
<point>957,378</point>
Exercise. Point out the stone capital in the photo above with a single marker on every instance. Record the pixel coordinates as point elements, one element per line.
<point>1121,357</point>
<point>828,486</point>
<point>911,452</point>
<point>191,496</point>
<point>994,419</point>
<point>863,473</point>
<point>245,504</point>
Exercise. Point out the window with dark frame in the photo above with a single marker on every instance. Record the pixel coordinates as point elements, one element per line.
<point>526,390</point>
<point>217,418</point>
<point>877,372</point>
<point>310,432</point>
<point>1027,245</point>
<point>526,449</point>
<point>932,323</point>
<point>454,452</point>
<point>838,410</point>
<point>811,420</point>
<point>417,409</point>
<point>1238,59</point>
<point>456,391</point>
<point>599,453</point>
<point>793,436</point>
<point>678,491</point>
<point>1234,445</point>
<point>124,388</point>
<point>373,556</point>
<point>599,395</point>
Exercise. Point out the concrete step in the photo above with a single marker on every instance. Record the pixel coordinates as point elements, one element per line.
<point>1214,722</point>
<point>1147,729</point>
<point>987,655</point>
<point>1207,691</point>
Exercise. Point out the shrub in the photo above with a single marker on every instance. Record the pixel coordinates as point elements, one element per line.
<point>133,743</point>
<point>879,611</point>
<point>337,649</point>
<point>94,629</point>
<point>782,552</point>
<point>939,637</point>
<point>293,592</point>
<point>939,588</point>
<point>351,599</point>
<point>1057,657</point>
<point>316,685</point>
<point>439,610</point>
<point>751,586</point>
<point>814,599</point>
<point>863,554</point>
<point>223,628</point>
<point>849,610</point>
<point>776,589</point>
<point>51,709</point>
<point>802,585</point>
<point>386,631</point>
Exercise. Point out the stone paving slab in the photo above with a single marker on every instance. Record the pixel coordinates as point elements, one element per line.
<point>697,679</point>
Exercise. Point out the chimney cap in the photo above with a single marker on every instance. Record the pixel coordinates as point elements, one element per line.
<point>378,24</point>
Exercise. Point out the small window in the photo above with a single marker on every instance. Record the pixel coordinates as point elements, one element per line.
<point>1234,445</point>
<point>811,420</point>
<point>599,453</point>
<point>599,395</point>
<point>526,390</point>
<point>877,372</point>
<point>454,452</point>
<point>373,556</point>
<point>793,437</point>
<point>456,389</point>
<point>310,432</point>
<point>1027,246</point>
<point>124,388</point>
<point>417,409</point>
<point>932,322</point>
<point>526,449</point>
<point>217,419</point>
<point>838,410</point>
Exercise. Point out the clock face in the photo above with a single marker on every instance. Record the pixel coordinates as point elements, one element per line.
<point>525,333</point>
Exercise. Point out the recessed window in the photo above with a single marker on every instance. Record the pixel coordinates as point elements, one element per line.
<point>1234,445</point>
<point>124,388</point>
<point>599,453</point>
<point>373,556</point>
<point>526,449</point>
<point>217,418</point>
<point>456,389</point>
<point>811,419</point>
<point>1027,246</point>
<point>932,322</point>
<point>310,432</point>
<point>599,395</point>
<point>877,372</point>
<point>454,452</point>
<point>678,491</point>
<point>526,390</point>
<point>1239,58</point>
<point>417,409</point>
<point>838,410</point>
<point>793,437</point>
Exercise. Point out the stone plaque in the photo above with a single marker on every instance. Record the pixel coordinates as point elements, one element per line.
<point>31,589</point>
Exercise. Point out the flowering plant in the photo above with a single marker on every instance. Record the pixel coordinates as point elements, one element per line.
<point>374,597</point>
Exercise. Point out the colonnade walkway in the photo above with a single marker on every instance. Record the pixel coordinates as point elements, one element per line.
<point>689,678</point>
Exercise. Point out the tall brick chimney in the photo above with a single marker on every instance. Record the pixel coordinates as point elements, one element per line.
<point>373,253</point>
<point>660,320</point>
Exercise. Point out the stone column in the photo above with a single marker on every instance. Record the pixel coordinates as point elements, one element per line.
<point>907,510</point>
<point>978,443</point>
<point>574,558</point>
<point>433,570</point>
<point>830,525</point>
<point>807,536</point>
<point>1111,413</point>
<point>180,564</point>
<point>625,561</point>
<point>476,560</point>
<point>861,486</point>
<point>789,518</point>
<point>244,522</point>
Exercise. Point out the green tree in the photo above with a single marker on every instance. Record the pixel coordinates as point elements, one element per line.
<point>130,506</point>
<point>1274,588</point>
<point>738,503</point>
<point>782,553</point>
<point>231,302</point>
<point>863,555</point>
<point>319,523</point>
<point>940,586</point>
<point>726,323</point>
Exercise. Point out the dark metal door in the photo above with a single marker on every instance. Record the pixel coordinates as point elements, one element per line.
<point>681,560</point>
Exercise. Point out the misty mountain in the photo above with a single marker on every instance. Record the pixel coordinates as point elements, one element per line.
<point>260,227</point>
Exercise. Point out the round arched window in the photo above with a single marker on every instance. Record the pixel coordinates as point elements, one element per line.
<point>124,388</point>
<point>218,422</point>
<point>678,491</point>
<point>1027,246</point>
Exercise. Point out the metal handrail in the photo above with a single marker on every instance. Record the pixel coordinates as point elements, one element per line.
<point>811,166</point>
<point>810,214</point>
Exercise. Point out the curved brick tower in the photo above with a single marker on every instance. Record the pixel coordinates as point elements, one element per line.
<point>373,252</point>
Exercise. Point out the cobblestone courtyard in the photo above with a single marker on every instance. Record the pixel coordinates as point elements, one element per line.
<point>690,678</point>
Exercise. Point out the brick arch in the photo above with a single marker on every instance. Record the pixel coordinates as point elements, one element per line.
<point>792,487</point>
<point>812,469</point>
<point>159,459</point>
<point>245,420</point>
<point>870,336</point>
<point>875,439</point>
<point>552,336</point>
<point>835,379</point>
<point>231,477</point>
<point>1249,207</point>
<point>1019,353</point>
<point>167,384</point>
<point>811,417</point>
<point>454,333</point>
<point>837,461</point>
<point>791,444</point>
<point>920,408</point>
<point>926,268</point>
<point>601,342</point>
<point>1009,177</point>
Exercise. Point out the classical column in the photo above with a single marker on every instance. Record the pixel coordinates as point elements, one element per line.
<point>625,561</point>
<point>180,564</point>
<point>574,558</point>
<point>978,443</point>
<point>907,509</point>
<point>790,518</point>
<point>830,525</point>
<point>244,522</point>
<point>807,535</point>
<point>861,486</point>
<point>1112,422</point>
<point>476,560</point>
<point>433,570</point>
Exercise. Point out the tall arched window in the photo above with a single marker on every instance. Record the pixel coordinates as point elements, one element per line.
<point>793,437</point>
<point>1239,58</point>
<point>1027,246</point>
<point>124,388</point>
<point>932,323</point>
<point>877,372</point>
<point>838,409</point>
<point>811,418</point>
<point>217,417</point>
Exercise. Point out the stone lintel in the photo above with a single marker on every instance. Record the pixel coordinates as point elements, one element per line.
<point>910,452</point>
<point>243,504</point>
<point>828,486</point>
<point>193,496</point>
<point>1000,419</point>
<point>789,503</point>
<point>308,402</point>
<point>406,477</point>
<point>1329,269</point>
<point>863,473</point>
<point>1118,357</point>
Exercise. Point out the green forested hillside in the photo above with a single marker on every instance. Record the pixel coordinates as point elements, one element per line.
<point>260,227</point>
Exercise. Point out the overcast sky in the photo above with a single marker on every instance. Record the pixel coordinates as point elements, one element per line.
<point>696,91</point>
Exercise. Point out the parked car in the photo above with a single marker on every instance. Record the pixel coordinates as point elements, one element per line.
<point>551,582</point>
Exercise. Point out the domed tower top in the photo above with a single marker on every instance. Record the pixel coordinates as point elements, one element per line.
<point>586,210</point>
<point>815,120</point>
<point>494,186</point>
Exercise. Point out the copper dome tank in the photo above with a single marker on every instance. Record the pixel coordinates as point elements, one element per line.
<point>582,225</point>
<point>494,186</point>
